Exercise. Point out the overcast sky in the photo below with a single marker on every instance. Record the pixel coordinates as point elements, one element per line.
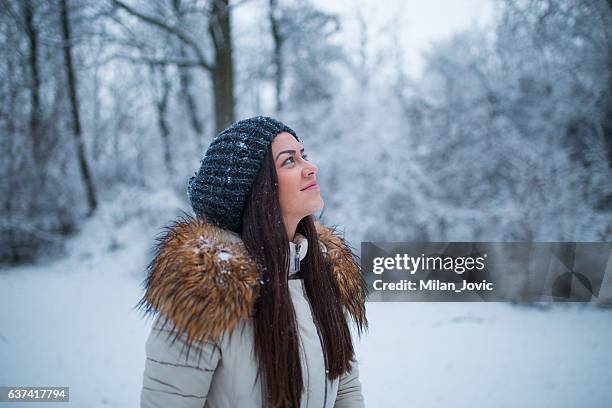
<point>416,22</point>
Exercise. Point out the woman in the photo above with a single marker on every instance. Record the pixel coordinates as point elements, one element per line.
<point>253,296</point>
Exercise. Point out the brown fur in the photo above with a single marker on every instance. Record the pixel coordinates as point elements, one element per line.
<point>205,284</point>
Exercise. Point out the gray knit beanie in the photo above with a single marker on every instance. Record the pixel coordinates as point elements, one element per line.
<point>218,191</point>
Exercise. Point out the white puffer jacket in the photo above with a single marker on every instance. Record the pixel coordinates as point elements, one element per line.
<point>201,288</point>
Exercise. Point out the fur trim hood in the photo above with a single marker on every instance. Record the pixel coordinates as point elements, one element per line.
<point>203,279</point>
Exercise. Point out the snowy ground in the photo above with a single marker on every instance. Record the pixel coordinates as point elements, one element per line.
<point>70,322</point>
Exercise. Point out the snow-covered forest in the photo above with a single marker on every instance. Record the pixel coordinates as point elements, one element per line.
<point>503,133</point>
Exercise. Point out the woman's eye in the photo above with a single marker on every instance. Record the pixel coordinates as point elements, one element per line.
<point>292,159</point>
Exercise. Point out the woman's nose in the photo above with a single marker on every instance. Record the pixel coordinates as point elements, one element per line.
<point>309,169</point>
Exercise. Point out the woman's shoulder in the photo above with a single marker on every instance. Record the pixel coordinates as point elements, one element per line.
<point>202,278</point>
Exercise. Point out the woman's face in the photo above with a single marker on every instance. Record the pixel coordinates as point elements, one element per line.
<point>298,191</point>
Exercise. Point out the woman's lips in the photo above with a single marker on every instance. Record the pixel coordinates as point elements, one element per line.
<point>312,187</point>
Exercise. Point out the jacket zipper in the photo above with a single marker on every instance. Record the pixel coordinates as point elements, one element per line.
<point>296,258</point>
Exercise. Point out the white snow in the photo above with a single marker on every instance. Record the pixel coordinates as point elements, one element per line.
<point>486,355</point>
<point>224,256</point>
<point>70,322</point>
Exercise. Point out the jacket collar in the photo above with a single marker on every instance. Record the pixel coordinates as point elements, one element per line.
<point>203,281</point>
<point>297,247</point>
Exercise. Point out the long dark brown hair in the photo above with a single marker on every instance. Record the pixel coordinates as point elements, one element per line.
<point>276,338</point>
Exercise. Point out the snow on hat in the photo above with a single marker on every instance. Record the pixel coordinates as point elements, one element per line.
<point>219,189</point>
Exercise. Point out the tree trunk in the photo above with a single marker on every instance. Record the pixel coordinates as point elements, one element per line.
<point>96,115</point>
<point>186,81</point>
<point>607,119</point>
<point>162,107</point>
<point>35,111</point>
<point>277,59</point>
<point>223,69</point>
<point>190,101</point>
<point>76,122</point>
<point>7,145</point>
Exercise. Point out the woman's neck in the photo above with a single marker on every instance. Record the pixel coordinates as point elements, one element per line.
<point>291,227</point>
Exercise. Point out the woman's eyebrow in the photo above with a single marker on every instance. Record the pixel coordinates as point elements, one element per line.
<point>288,151</point>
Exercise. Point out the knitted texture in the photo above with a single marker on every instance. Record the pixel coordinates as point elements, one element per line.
<point>218,190</point>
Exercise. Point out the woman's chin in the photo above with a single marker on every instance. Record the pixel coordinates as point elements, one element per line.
<point>315,207</point>
<point>319,207</point>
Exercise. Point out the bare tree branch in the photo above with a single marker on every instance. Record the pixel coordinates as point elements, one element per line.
<point>170,29</point>
<point>182,63</point>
